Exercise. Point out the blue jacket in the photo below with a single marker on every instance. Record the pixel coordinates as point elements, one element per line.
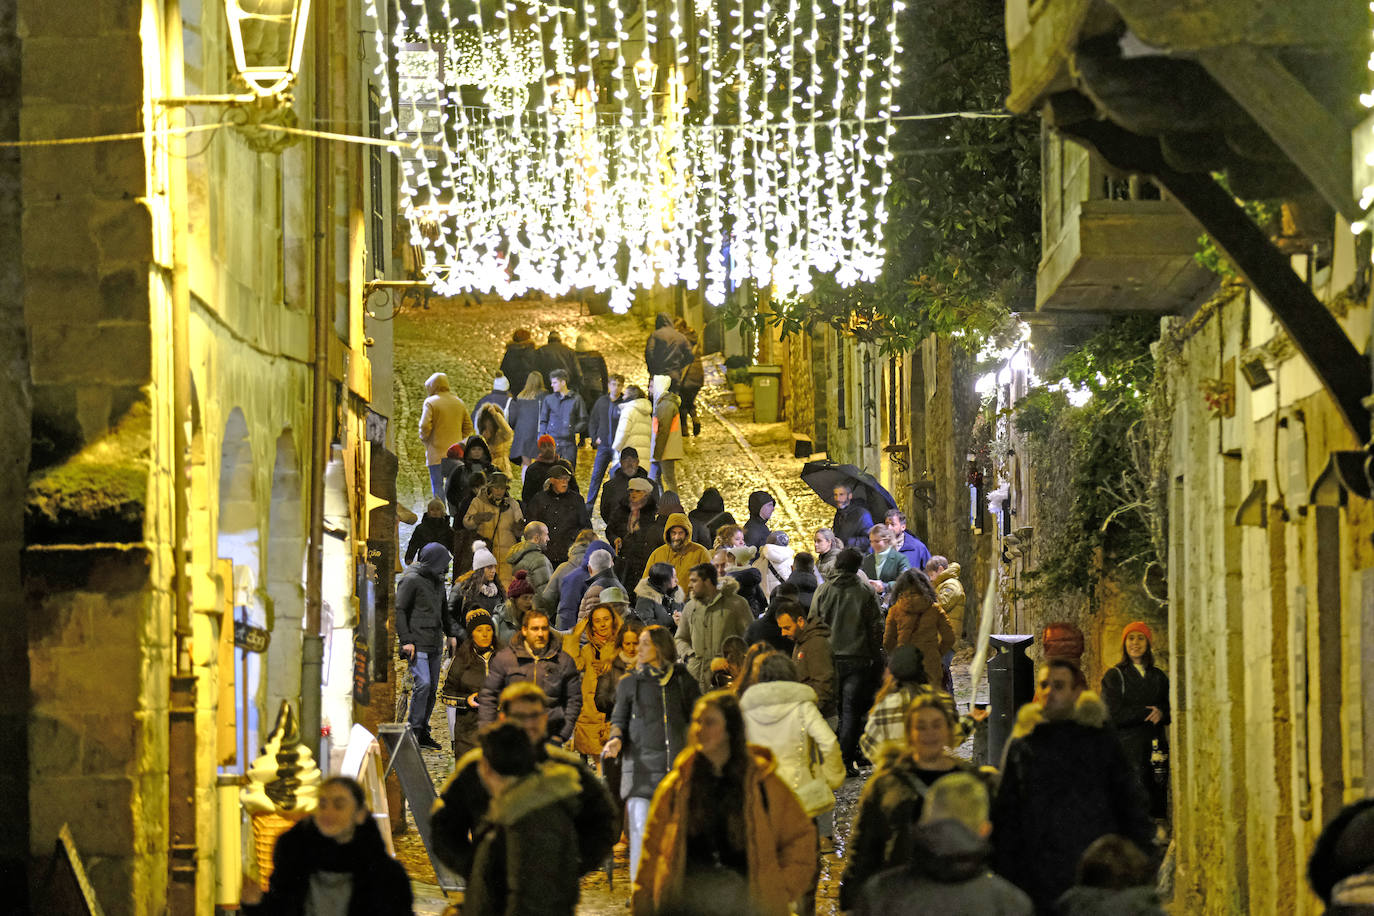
<point>914,550</point>
<point>601,423</point>
<point>574,585</point>
<point>851,526</point>
<point>562,416</point>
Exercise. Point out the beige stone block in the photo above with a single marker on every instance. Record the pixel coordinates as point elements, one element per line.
<point>111,741</point>
<point>45,120</point>
<point>38,18</point>
<point>123,231</point>
<point>57,237</point>
<point>74,680</point>
<point>110,71</point>
<point>61,353</point>
<point>112,877</point>
<point>54,746</point>
<point>98,809</point>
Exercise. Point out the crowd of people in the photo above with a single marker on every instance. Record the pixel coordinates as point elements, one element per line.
<point>698,689</point>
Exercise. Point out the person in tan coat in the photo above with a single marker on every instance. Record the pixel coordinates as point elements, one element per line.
<point>592,644</point>
<point>494,517</point>
<point>916,619</point>
<point>944,575</point>
<point>444,420</point>
<point>725,834</point>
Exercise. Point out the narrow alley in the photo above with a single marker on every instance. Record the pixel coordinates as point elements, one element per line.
<point>733,454</point>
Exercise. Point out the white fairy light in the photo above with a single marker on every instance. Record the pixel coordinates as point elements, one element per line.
<point>547,185</point>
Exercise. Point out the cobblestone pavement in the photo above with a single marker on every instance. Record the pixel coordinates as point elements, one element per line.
<point>733,453</point>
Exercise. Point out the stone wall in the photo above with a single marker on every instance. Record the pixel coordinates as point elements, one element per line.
<point>1269,611</point>
<point>14,461</point>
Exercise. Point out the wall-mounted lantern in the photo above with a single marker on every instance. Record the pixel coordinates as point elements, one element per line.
<point>268,39</point>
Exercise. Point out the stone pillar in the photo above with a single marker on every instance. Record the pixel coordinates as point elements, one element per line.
<point>96,566</point>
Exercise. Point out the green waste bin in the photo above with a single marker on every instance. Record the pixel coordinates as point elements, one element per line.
<point>767,380</point>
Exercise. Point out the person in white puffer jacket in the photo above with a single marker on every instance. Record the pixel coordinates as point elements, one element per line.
<point>781,715</point>
<point>635,427</point>
<point>774,561</point>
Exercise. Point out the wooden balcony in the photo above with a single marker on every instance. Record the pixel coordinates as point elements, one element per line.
<point>1111,245</point>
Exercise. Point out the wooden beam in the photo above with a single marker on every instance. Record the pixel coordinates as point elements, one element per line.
<point>1343,371</point>
<point>1316,142</point>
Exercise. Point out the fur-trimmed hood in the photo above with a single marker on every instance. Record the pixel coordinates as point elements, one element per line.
<point>549,784</point>
<point>1089,711</point>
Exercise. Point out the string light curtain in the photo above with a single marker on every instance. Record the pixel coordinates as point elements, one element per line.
<point>626,144</point>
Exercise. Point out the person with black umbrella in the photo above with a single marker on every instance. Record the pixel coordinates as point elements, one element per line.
<point>852,519</point>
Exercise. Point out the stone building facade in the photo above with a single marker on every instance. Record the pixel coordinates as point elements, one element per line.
<point>162,289</point>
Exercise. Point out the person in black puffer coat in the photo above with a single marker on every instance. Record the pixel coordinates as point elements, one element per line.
<point>340,838</point>
<point>760,511</point>
<point>708,516</point>
<point>1065,782</point>
<point>423,626</point>
<point>852,520</point>
<point>654,597</point>
<point>653,707</point>
<point>635,546</point>
<point>803,576</point>
<point>562,509</point>
<point>466,674</point>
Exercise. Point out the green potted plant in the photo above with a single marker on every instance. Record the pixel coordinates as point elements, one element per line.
<point>737,374</point>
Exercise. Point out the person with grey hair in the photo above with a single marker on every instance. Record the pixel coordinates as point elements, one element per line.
<point>444,420</point>
<point>948,872</point>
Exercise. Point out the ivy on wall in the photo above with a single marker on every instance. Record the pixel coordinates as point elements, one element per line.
<point>1114,451</point>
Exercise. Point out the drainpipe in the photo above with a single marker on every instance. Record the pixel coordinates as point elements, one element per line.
<point>312,646</point>
<point>181,725</point>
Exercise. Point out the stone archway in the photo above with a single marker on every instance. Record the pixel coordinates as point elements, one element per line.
<point>237,540</point>
<point>283,570</point>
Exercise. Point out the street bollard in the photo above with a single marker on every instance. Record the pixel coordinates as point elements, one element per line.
<point>1011,683</point>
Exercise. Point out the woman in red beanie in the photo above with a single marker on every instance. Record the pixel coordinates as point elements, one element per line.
<point>1137,695</point>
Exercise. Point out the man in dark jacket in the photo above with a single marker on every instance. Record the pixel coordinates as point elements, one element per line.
<point>667,352</point>
<point>849,607</point>
<point>1065,782</point>
<point>560,508</point>
<point>556,355</point>
<point>709,516</point>
<point>422,625</point>
<point>538,471</point>
<point>601,420</point>
<point>463,801</point>
<point>803,576</point>
<point>591,365</point>
<point>518,361</point>
<point>433,529</point>
<point>527,855</point>
<point>760,511</point>
<point>562,416</point>
<point>499,395</point>
<point>811,653</point>
<point>852,521</point>
<point>536,657</point>
<point>616,492</point>
<point>949,871</point>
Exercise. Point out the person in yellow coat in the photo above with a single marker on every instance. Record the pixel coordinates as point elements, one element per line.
<point>725,834</point>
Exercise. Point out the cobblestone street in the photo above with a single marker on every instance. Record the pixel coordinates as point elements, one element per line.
<point>733,453</point>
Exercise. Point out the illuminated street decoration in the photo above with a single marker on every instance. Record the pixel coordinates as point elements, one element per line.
<point>635,144</point>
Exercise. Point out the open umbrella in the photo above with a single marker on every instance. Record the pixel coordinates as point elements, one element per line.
<point>823,476</point>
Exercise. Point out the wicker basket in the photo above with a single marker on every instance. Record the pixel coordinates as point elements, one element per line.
<point>266,829</point>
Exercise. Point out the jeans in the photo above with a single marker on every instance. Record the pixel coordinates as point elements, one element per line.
<point>851,680</point>
<point>567,448</point>
<point>605,456</point>
<point>436,480</point>
<point>667,470</point>
<point>636,816</point>
<point>425,668</point>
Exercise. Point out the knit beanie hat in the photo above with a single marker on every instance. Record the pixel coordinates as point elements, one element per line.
<point>500,383</point>
<point>455,450</point>
<point>481,556</point>
<point>520,585</point>
<point>907,664</point>
<point>479,618</point>
<point>1137,626</point>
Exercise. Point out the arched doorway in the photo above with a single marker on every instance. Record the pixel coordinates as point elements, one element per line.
<point>237,540</point>
<point>283,570</point>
